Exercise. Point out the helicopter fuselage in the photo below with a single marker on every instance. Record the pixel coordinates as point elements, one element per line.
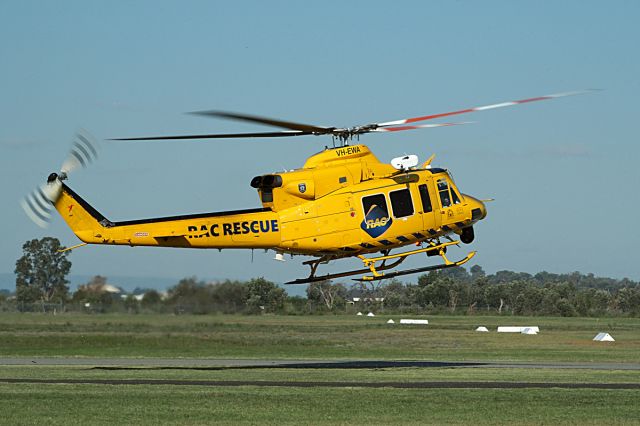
<point>342,202</point>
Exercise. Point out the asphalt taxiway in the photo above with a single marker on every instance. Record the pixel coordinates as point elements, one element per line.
<point>215,363</point>
<point>225,364</point>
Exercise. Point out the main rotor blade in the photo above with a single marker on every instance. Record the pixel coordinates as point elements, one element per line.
<point>419,126</point>
<point>220,136</point>
<point>264,120</point>
<point>481,108</point>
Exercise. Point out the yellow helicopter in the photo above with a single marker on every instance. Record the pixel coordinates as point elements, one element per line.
<point>342,202</point>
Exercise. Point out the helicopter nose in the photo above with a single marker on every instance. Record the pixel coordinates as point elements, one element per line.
<point>478,209</point>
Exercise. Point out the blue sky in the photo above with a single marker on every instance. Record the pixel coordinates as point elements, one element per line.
<point>563,172</point>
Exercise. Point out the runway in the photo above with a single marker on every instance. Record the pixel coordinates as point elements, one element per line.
<point>239,364</point>
<point>213,364</point>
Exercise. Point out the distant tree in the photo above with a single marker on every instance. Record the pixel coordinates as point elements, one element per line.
<point>96,293</point>
<point>495,296</point>
<point>131,304</point>
<point>504,277</point>
<point>41,272</point>
<point>627,300</point>
<point>229,296</point>
<point>326,294</point>
<point>457,274</point>
<point>141,290</point>
<point>189,296</point>
<point>151,299</point>
<point>426,279</point>
<point>438,293</point>
<point>97,281</point>
<point>264,295</point>
<point>396,294</point>
<point>477,272</point>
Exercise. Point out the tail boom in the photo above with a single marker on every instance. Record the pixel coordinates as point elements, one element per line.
<point>255,228</point>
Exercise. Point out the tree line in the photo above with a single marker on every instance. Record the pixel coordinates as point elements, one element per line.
<point>41,284</point>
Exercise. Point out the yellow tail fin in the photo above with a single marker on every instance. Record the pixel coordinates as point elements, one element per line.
<point>84,220</point>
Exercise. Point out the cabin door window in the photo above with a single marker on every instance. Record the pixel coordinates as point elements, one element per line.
<point>401,203</point>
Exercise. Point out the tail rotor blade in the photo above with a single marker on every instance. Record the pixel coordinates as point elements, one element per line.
<point>84,151</point>
<point>38,205</point>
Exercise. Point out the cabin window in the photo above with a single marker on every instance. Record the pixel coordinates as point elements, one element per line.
<point>424,196</point>
<point>401,203</point>
<point>373,201</point>
<point>443,191</point>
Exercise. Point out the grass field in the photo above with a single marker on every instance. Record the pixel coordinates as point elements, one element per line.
<point>447,338</point>
<point>315,337</point>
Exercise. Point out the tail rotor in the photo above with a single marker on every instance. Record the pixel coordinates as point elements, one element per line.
<point>38,205</point>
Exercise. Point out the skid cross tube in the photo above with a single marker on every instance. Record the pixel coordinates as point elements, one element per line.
<point>440,248</point>
<point>312,278</point>
<point>416,270</point>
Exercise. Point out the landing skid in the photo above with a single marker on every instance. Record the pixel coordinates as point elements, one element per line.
<point>376,273</point>
<point>412,271</point>
<point>313,278</point>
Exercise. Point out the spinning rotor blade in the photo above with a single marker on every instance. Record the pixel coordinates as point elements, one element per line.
<point>220,136</point>
<point>268,121</point>
<point>343,134</point>
<point>38,205</point>
<point>480,108</point>
<point>295,129</point>
<point>419,126</point>
<point>83,152</point>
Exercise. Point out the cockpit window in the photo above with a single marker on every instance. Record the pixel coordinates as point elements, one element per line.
<point>454,196</point>
<point>443,191</point>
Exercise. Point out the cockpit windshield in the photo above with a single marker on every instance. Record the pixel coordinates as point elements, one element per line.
<point>448,195</point>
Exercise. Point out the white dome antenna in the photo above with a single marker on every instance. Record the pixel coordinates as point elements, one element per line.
<point>405,163</point>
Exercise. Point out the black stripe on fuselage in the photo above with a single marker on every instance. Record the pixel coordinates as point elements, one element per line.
<point>100,218</point>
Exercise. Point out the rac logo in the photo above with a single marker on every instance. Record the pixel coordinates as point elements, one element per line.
<point>376,222</point>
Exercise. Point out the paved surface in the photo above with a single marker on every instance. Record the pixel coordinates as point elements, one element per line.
<point>200,363</point>
<point>294,384</point>
<point>222,364</point>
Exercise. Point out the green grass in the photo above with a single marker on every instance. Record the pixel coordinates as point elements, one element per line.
<point>320,337</point>
<point>91,404</point>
